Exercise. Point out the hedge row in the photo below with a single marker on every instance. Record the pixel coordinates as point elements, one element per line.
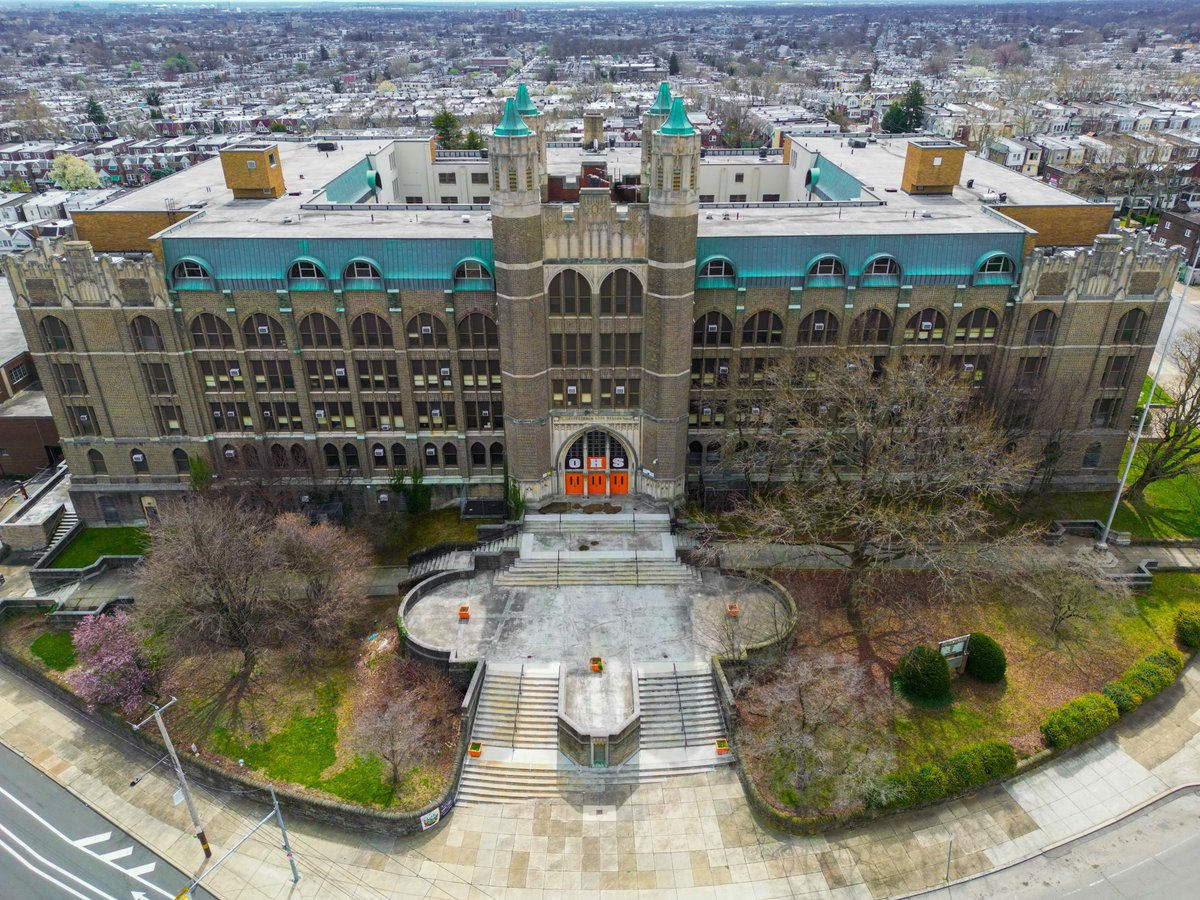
<point>968,768</point>
<point>1144,679</point>
<point>1187,626</point>
<point>1079,720</point>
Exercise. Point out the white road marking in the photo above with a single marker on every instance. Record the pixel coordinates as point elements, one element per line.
<point>46,875</point>
<point>62,837</point>
<point>144,869</point>
<point>94,839</point>
<point>117,854</point>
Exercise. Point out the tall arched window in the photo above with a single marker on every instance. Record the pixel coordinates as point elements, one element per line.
<point>146,335</point>
<point>305,273</point>
<point>762,328</point>
<point>230,455</point>
<point>350,456</point>
<point>621,294</point>
<point>370,330</point>
<point>182,464</point>
<point>427,330</point>
<point>140,464</point>
<point>317,330</point>
<point>379,460</point>
<point>477,332</point>
<point>695,455</point>
<point>333,461</point>
<point>210,332</point>
<point>926,327</point>
<point>496,451</point>
<point>871,327</point>
<point>976,327</point>
<point>299,456</point>
<point>250,457</point>
<point>569,294</point>
<point>279,457</point>
<point>1041,328</point>
<point>430,455</point>
<point>96,461</point>
<point>1131,328</point>
<point>717,268</point>
<point>55,335</point>
<point>712,330</point>
<point>818,328</point>
<point>449,455</point>
<point>399,456</point>
<point>262,331</point>
<point>478,455</point>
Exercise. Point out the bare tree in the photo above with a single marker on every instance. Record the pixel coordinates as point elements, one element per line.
<point>1063,594</point>
<point>1170,445</point>
<point>889,463</point>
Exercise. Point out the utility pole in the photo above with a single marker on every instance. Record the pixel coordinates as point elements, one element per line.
<point>183,785</point>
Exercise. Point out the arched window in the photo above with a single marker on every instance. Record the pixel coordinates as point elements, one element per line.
<point>712,330</point>
<point>430,455</point>
<point>379,456</point>
<point>1091,456</point>
<point>695,455</point>
<point>1131,328</point>
<point>763,328</point>
<point>140,464</point>
<point>299,456</point>
<point>305,271</point>
<point>333,461</point>
<point>449,455</point>
<point>928,326</point>
<point>317,330</point>
<point>477,332</point>
<point>182,465</point>
<point>369,330</point>
<point>211,333</point>
<point>399,456</point>
<point>871,327</point>
<point>279,457</point>
<point>230,455</point>
<point>471,270</point>
<point>55,335</point>
<point>350,455</point>
<point>262,331</point>
<point>96,461</point>
<point>1042,328</point>
<point>713,454</point>
<point>250,456</point>
<point>996,269</point>
<point>882,269</point>
<point>621,294</point>
<point>361,274</point>
<point>818,328</point>
<point>478,455</point>
<point>976,327</point>
<point>146,335</point>
<point>569,294</point>
<point>189,269</point>
<point>497,453</point>
<point>827,270</point>
<point>717,268</point>
<point>427,330</point>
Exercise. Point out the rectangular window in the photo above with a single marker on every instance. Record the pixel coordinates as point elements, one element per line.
<point>159,379</point>
<point>481,374</point>
<point>1116,372</point>
<point>707,198</point>
<point>273,375</point>
<point>415,200</point>
<point>481,199</point>
<point>69,378</point>
<point>1104,412</point>
<point>221,375</point>
<point>281,415</point>
<point>18,373</point>
<point>770,198</point>
<point>377,374</point>
<point>570,349</point>
<point>479,178</point>
<point>739,177</point>
<point>1030,372</point>
<point>709,372</point>
<point>621,349</point>
<point>449,199</point>
<point>326,374</point>
<point>737,198</point>
<point>753,370</point>
<point>706,413</point>
<point>382,415</point>
<point>432,374</point>
<point>446,178</point>
<point>333,415</point>
<point>231,416</point>
<point>620,393</point>
<point>572,392</point>
<point>83,421</point>
<point>434,415</point>
<point>484,415</point>
<point>972,368</point>
<point>169,420</point>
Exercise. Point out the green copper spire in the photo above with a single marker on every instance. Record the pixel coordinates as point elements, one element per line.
<point>662,103</point>
<point>677,122</point>
<point>524,105</point>
<point>511,124</point>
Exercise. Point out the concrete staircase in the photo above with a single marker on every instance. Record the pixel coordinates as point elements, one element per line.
<point>592,524</point>
<point>67,526</point>
<point>598,571</point>
<point>462,560</point>
<point>679,706</point>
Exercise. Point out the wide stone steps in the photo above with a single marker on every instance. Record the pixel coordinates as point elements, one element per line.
<point>582,522</point>
<point>518,710</point>
<point>551,572</point>
<point>679,707</point>
<point>462,560</point>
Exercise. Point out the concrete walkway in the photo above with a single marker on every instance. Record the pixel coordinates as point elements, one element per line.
<point>689,837</point>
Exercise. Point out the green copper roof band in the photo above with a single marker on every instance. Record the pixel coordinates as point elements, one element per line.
<point>662,103</point>
<point>677,123</point>
<point>511,125</point>
<point>525,106</point>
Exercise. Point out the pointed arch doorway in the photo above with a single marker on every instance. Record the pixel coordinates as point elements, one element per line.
<point>597,463</point>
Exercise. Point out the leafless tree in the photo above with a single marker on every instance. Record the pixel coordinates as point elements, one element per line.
<point>1063,594</point>
<point>1170,445</point>
<point>886,464</point>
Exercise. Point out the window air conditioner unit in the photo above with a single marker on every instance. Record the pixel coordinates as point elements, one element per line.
<point>436,413</point>
<point>754,410</point>
<point>266,414</point>
<point>263,329</point>
<point>620,389</point>
<point>235,373</point>
<point>216,414</point>
<point>927,326</point>
<point>571,389</point>
<point>712,328</point>
<point>139,457</point>
<point>339,372</point>
<point>384,426</point>
<point>230,453</point>
<point>723,370</point>
<point>320,413</point>
<point>818,326</point>
<point>379,453</point>
<point>968,367</point>
<point>484,413</point>
<point>706,411</point>
<point>430,451</point>
<point>426,329</point>
<point>445,373</point>
<point>83,417</point>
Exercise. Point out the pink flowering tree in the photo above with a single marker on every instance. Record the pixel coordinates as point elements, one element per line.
<point>111,667</point>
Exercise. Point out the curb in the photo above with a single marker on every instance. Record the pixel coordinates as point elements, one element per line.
<point>1168,794</point>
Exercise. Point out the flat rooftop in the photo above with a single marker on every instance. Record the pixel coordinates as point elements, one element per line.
<point>12,338</point>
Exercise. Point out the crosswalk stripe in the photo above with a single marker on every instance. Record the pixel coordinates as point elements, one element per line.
<point>94,839</point>
<point>117,854</point>
<point>145,869</point>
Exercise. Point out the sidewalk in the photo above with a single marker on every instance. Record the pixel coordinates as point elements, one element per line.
<point>690,837</point>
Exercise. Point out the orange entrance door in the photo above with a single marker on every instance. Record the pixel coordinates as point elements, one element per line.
<point>619,482</point>
<point>596,482</point>
<point>574,482</point>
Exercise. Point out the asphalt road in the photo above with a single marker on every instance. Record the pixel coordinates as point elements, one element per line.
<point>52,846</point>
<point>1153,854</point>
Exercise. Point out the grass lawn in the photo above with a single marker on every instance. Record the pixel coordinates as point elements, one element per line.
<point>56,649</point>
<point>394,537</point>
<point>1170,509</point>
<point>1160,396</point>
<point>1043,671</point>
<point>92,543</point>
